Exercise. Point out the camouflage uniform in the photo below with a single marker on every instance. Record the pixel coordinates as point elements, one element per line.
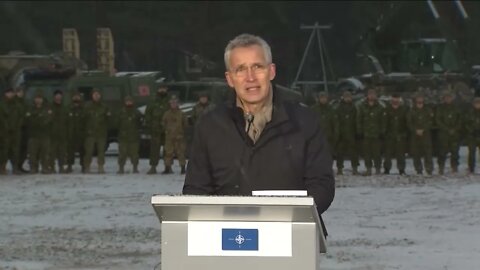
<point>76,135</point>
<point>448,119</point>
<point>329,123</point>
<point>39,120</point>
<point>395,137</point>
<point>96,117</point>
<point>129,137</point>
<point>58,137</point>
<point>472,127</point>
<point>370,125</point>
<point>421,145</point>
<point>174,122</point>
<point>23,133</point>
<point>153,120</point>
<point>347,145</point>
<point>3,139</point>
<point>15,121</point>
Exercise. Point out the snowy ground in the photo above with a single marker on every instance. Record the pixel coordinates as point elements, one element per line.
<point>106,221</point>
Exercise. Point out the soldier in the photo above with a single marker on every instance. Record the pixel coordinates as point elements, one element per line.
<point>202,107</point>
<point>346,115</point>
<point>395,134</point>
<point>75,131</point>
<point>38,120</point>
<point>96,120</point>
<point>419,121</point>
<point>153,121</point>
<point>13,135</point>
<point>370,126</point>
<point>129,136</point>
<point>58,135</point>
<point>328,119</point>
<point>20,98</point>
<point>3,139</point>
<point>448,119</point>
<point>174,122</point>
<point>472,127</point>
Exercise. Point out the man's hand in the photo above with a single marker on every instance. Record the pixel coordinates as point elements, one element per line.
<point>419,132</point>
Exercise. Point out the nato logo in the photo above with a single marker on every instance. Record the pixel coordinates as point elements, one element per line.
<point>240,239</point>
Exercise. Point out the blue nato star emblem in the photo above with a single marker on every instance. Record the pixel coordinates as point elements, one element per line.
<point>240,239</point>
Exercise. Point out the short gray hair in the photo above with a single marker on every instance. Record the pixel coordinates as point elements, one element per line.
<point>247,40</point>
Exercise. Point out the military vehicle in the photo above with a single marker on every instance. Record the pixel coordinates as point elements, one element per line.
<point>431,65</point>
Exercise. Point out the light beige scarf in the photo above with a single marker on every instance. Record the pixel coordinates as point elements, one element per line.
<point>260,118</point>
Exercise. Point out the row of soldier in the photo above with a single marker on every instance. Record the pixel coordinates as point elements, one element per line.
<point>399,129</point>
<point>56,133</point>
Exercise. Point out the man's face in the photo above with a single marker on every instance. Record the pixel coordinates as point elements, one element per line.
<point>129,103</point>
<point>38,101</point>
<point>162,91</point>
<point>173,104</point>
<point>371,96</point>
<point>419,102</point>
<point>448,99</point>
<point>203,100</point>
<point>76,99</point>
<point>58,99</point>
<point>250,74</point>
<point>395,102</point>
<point>9,95</point>
<point>347,99</point>
<point>323,100</point>
<point>476,105</point>
<point>96,96</point>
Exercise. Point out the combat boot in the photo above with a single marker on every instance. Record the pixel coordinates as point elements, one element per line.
<point>135,168</point>
<point>401,172</point>
<point>69,169</point>
<point>368,172</point>
<point>339,172</point>
<point>153,170</point>
<point>61,169</point>
<point>168,170</point>
<point>182,171</point>
<point>120,170</point>
<point>3,169</point>
<point>386,172</point>
<point>101,170</point>
<point>377,171</point>
<point>354,171</point>
<point>441,170</point>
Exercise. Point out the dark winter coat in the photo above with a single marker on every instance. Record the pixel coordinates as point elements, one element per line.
<point>290,154</point>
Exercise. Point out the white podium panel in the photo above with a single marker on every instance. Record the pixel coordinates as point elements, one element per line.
<point>238,233</point>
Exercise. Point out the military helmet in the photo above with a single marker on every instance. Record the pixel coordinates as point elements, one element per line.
<point>202,94</point>
<point>58,92</point>
<point>39,93</point>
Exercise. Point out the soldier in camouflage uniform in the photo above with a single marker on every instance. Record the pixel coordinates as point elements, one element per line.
<point>174,122</point>
<point>39,119</point>
<point>129,135</point>
<point>371,127</point>
<point>202,107</point>
<point>328,119</point>
<point>58,134</point>
<point>396,131</point>
<point>75,131</point>
<point>448,119</point>
<point>3,139</point>
<point>96,117</point>
<point>153,121</point>
<point>472,127</point>
<point>20,99</point>
<point>420,120</point>
<point>347,145</point>
<point>15,120</point>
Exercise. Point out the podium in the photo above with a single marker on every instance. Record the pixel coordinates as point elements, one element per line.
<point>239,233</point>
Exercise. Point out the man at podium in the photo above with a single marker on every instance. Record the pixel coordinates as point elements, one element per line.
<point>257,140</point>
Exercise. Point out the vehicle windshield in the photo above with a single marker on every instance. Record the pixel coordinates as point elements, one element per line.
<point>428,57</point>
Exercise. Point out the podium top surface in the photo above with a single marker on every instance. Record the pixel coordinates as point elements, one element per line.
<point>233,200</point>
